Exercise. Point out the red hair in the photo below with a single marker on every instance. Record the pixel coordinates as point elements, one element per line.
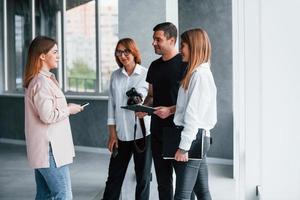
<point>129,44</point>
<point>40,45</point>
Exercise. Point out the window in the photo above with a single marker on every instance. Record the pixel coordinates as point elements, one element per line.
<point>86,31</point>
<point>90,62</point>
<point>19,44</point>
<point>47,18</point>
<point>48,23</point>
<point>18,40</point>
<point>80,42</point>
<point>1,49</point>
<point>108,40</point>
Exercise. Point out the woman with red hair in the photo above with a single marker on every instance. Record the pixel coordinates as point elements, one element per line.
<point>124,140</point>
<point>48,135</point>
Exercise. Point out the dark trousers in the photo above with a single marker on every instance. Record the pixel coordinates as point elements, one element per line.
<point>192,176</point>
<point>163,168</point>
<point>118,166</point>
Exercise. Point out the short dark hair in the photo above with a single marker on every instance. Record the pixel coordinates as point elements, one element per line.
<point>168,28</point>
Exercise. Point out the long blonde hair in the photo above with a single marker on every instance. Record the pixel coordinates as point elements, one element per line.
<point>200,51</point>
<point>38,46</point>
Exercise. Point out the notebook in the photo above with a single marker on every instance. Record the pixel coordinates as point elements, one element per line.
<point>171,140</point>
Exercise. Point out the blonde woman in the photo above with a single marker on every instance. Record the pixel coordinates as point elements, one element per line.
<point>196,111</point>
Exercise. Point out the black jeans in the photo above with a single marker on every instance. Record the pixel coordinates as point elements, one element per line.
<point>163,168</point>
<point>118,166</point>
<point>192,176</point>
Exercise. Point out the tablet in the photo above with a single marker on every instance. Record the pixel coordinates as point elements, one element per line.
<point>171,140</point>
<point>140,108</point>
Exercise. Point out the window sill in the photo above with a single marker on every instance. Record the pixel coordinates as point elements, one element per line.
<point>68,96</point>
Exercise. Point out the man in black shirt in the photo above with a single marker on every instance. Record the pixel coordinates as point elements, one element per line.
<point>164,76</point>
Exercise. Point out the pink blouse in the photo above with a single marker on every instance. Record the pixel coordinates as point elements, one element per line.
<point>47,121</point>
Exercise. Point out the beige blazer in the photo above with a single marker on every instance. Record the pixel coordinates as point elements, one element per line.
<point>47,122</point>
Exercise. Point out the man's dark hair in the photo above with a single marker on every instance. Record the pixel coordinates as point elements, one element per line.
<point>168,28</point>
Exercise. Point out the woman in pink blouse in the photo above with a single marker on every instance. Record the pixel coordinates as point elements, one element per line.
<point>49,141</point>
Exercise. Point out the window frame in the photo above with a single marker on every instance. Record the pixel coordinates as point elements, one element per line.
<point>62,75</point>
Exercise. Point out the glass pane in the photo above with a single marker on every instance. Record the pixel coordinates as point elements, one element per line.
<point>19,37</point>
<point>80,41</point>
<point>46,18</point>
<point>108,40</point>
<point>1,50</point>
<point>19,43</point>
<point>48,21</point>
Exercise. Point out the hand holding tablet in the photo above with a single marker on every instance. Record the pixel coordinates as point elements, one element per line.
<point>140,108</point>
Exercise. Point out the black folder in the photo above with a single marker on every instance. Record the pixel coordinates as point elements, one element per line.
<point>139,108</point>
<point>171,140</point>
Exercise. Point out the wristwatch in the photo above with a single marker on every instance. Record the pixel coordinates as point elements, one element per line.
<point>183,151</point>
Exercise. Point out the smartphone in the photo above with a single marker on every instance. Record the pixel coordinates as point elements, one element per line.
<point>85,104</point>
<point>115,151</point>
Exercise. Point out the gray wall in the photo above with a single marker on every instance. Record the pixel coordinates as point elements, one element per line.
<point>137,19</point>
<point>88,127</point>
<point>215,17</point>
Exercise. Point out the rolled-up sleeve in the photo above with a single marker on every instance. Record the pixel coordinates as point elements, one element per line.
<point>111,120</point>
<point>143,88</point>
<point>46,104</point>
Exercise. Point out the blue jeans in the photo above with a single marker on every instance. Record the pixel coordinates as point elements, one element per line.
<point>192,176</point>
<point>53,183</point>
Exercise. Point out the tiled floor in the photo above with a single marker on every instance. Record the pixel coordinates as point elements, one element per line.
<point>88,173</point>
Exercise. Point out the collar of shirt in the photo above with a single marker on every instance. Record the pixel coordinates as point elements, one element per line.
<point>137,70</point>
<point>50,75</point>
<point>202,66</point>
<point>46,73</point>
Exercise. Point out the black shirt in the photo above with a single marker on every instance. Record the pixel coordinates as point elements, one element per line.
<point>165,77</point>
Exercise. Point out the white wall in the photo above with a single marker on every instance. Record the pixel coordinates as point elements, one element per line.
<point>267,97</point>
<point>281,99</point>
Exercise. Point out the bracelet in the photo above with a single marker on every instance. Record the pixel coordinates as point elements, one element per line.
<point>183,151</point>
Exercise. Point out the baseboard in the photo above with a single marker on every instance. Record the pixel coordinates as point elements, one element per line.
<point>219,161</point>
<point>92,149</point>
<point>210,160</point>
<point>77,148</point>
<point>12,141</point>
